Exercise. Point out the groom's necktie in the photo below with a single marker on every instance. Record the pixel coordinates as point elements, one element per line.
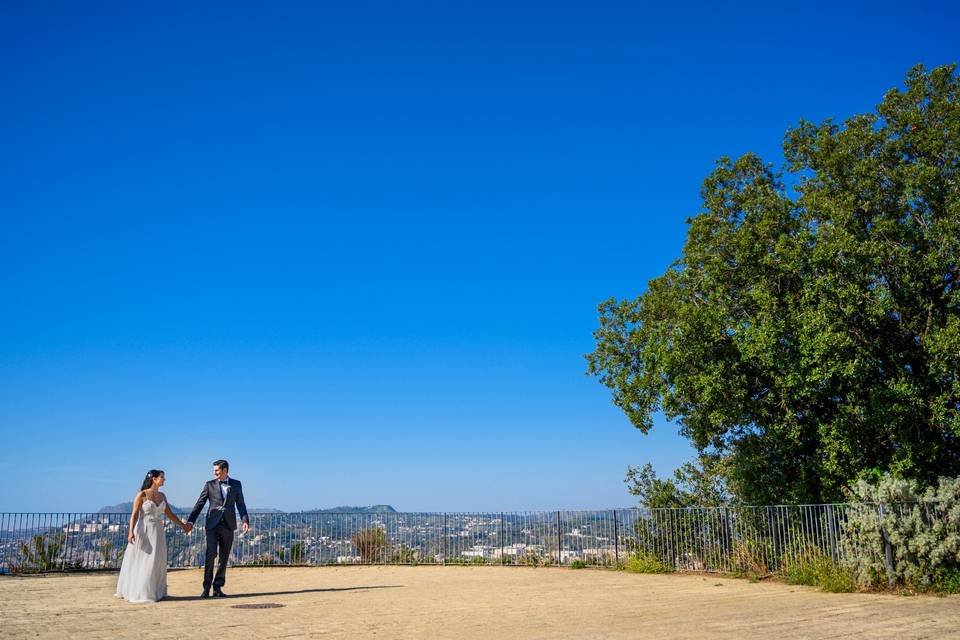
<point>223,490</point>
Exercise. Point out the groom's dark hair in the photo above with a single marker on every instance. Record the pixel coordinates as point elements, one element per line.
<point>222,464</point>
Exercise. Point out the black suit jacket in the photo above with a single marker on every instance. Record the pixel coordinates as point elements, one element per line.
<point>221,509</point>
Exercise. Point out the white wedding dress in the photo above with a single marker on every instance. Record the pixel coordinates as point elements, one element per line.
<point>143,572</point>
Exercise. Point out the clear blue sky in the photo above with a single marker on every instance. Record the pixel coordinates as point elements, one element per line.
<point>358,251</point>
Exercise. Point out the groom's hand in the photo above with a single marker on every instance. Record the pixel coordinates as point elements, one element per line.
<point>245,527</point>
<point>187,528</point>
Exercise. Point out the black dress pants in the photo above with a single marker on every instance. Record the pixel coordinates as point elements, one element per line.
<point>219,542</point>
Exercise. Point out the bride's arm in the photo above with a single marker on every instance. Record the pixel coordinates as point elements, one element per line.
<point>170,514</point>
<point>134,516</point>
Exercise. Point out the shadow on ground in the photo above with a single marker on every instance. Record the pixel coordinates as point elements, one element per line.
<point>232,596</point>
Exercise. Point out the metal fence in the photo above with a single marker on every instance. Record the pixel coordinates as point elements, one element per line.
<point>724,539</point>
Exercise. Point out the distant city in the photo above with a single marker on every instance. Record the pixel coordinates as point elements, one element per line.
<point>338,535</point>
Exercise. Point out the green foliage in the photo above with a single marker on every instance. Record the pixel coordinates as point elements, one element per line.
<point>747,558</point>
<point>264,559</point>
<point>404,555</point>
<point>694,484</point>
<point>110,554</point>
<point>921,531</point>
<point>42,553</point>
<point>821,571</point>
<point>809,335</point>
<point>578,564</point>
<point>298,553</point>
<point>371,544</point>
<point>643,562</point>
<point>461,560</point>
<point>947,581</point>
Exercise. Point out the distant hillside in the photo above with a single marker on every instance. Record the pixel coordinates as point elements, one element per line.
<point>126,507</point>
<point>377,508</point>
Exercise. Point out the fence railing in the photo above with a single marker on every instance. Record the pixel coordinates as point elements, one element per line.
<point>723,539</point>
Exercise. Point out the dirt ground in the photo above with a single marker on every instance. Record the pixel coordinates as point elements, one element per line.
<point>464,603</point>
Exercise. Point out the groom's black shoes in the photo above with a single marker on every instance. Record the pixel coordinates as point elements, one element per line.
<point>218,593</point>
<point>205,594</point>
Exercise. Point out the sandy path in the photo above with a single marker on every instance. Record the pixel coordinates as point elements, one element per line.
<point>463,603</point>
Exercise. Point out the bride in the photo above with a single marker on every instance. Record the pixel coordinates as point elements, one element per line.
<point>143,573</point>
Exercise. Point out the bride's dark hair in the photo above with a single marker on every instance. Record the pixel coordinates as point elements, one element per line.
<point>148,481</point>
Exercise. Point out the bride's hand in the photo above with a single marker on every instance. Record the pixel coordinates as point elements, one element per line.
<point>131,538</point>
<point>187,527</point>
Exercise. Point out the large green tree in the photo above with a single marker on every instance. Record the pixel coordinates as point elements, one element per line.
<point>810,332</point>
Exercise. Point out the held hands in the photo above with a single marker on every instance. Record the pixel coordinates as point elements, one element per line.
<point>187,527</point>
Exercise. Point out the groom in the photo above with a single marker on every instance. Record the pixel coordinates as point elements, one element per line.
<point>225,494</point>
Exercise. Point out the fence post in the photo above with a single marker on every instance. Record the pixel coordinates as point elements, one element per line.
<point>501,537</point>
<point>887,553</point>
<point>559,558</point>
<point>616,539</point>
<point>832,532</point>
<point>443,549</point>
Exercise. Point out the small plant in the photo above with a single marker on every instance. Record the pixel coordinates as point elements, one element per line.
<point>404,555</point>
<point>298,552</point>
<point>748,560</point>
<point>41,554</point>
<point>264,559</point>
<point>819,571</point>
<point>645,562</point>
<point>110,554</point>
<point>578,564</point>
<point>947,581</point>
<point>371,543</point>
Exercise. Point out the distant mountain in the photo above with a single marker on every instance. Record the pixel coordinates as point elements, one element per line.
<point>377,508</point>
<point>127,507</point>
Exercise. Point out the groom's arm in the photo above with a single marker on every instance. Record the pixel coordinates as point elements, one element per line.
<point>197,507</point>
<point>242,505</point>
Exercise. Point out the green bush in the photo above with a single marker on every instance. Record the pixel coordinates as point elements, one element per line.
<point>371,543</point>
<point>110,554</point>
<point>261,560</point>
<point>947,580</point>
<point>920,530</point>
<point>645,562</point>
<point>578,564</point>
<point>747,560</point>
<point>404,555</point>
<point>42,553</point>
<point>819,571</point>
